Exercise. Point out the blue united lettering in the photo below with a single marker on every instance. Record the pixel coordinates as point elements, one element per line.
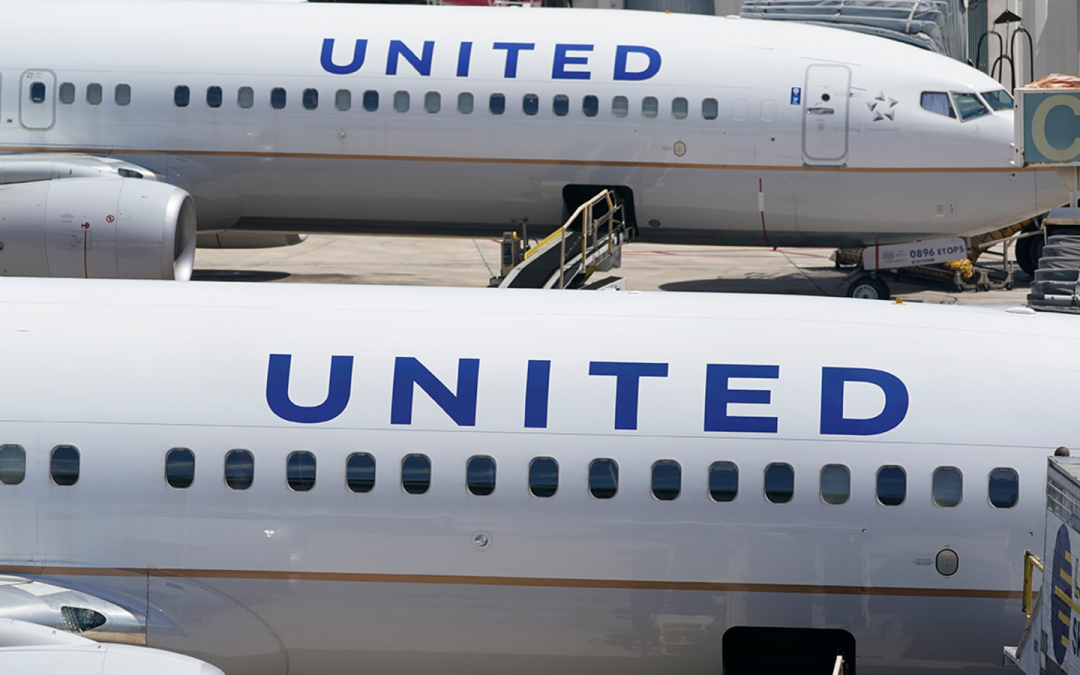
<point>457,395</point>
<point>571,61</point>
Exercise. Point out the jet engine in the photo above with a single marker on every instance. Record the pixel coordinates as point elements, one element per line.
<point>102,228</point>
<point>29,649</point>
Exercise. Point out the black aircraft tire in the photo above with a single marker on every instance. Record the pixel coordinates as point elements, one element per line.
<point>1026,256</point>
<point>868,288</point>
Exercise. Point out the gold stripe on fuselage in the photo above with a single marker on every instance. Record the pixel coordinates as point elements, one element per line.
<point>503,160</point>
<point>535,582</point>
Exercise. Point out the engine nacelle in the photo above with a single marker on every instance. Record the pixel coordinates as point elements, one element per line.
<point>29,649</point>
<point>248,239</point>
<point>101,228</point>
<point>99,659</point>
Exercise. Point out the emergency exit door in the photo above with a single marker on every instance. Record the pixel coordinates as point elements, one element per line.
<point>37,99</point>
<point>825,115</point>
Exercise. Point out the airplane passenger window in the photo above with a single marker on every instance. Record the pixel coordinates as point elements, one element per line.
<point>779,483</point>
<point>432,102</point>
<point>497,104</point>
<point>740,109</point>
<point>343,100</point>
<point>969,105</point>
<point>710,109</point>
<point>998,100</point>
<point>245,97</point>
<point>480,475</point>
<point>181,95</point>
<point>649,107</point>
<point>371,100</point>
<point>64,465</point>
<point>278,98</point>
<point>360,472</point>
<point>122,95</point>
<point>891,485</point>
<point>401,101</point>
<point>180,468</point>
<point>560,105</point>
<point>543,477</point>
<point>1004,488</point>
<point>679,108</point>
<point>213,97</point>
<point>530,104</point>
<point>620,106</point>
<point>37,92</point>
<point>310,99</point>
<point>93,94</point>
<point>948,486</point>
<point>590,106</point>
<point>67,93</point>
<point>12,464</point>
<point>300,471</point>
<point>666,480</point>
<point>603,478</point>
<point>239,469</point>
<point>835,484</point>
<point>937,102</point>
<point>768,109</point>
<point>415,474</point>
<point>465,103</point>
<point>723,481</point>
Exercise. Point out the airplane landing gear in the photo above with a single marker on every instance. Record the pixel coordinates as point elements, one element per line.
<point>1029,249</point>
<point>868,287</point>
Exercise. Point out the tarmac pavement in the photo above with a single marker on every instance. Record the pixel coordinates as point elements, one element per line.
<point>647,267</point>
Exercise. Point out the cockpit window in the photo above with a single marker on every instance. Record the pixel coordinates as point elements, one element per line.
<point>969,106</point>
<point>937,102</point>
<point>998,100</point>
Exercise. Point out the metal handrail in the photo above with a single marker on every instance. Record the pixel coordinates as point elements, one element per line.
<point>601,195</point>
<point>1030,562</point>
<point>838,666</point>
<point>588,227</point>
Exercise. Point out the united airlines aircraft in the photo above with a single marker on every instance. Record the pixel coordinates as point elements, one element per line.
<point>127,123</point>
<point>321,480</point>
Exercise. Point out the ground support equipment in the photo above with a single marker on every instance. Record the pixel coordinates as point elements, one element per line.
<point>590,241</point>
<point>953,261</point>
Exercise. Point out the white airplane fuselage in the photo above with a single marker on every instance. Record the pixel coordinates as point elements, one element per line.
<point>332,579</point>
<point>716,130</point>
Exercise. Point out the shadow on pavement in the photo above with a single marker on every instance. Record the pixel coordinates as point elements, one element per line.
<point>791,284</point>
<point>237,275</point>
<point>822,283</point>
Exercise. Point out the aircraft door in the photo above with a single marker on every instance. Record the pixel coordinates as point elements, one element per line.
<point>825,115</point>
<point>37,99</point>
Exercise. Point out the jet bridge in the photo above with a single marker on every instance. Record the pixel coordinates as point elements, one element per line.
<point>590,241</point>
<point>1047,135</point>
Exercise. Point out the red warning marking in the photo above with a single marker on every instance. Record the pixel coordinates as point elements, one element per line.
<point>109,219</point>
<point>85,226</point>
